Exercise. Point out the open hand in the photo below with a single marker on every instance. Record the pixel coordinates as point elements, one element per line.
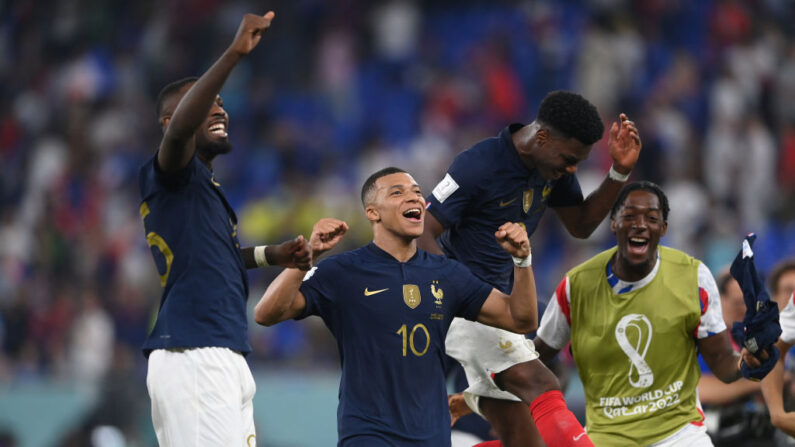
<point>512,237</point>
<point>326,233</point>
<point>624,144</point>
<point>250,31</point>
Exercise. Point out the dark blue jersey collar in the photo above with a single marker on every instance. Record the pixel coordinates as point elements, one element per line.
<point>381,254</point>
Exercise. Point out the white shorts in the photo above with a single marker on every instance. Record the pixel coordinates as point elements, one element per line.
<point>201,397</point>
<point>691,435</point>
<point>482,351</point>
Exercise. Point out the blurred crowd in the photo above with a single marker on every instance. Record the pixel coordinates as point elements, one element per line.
<point>336,90</point>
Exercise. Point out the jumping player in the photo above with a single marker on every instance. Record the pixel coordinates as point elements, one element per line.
<point>514,177</point>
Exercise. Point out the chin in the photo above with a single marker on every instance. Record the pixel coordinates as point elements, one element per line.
<point>215,147</point>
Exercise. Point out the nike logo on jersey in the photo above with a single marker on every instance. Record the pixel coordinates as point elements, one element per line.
<point>504,204</point>
<point>577,438</point>
<point>373,292</point>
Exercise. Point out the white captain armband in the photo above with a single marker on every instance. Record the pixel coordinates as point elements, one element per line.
<point>617,176</point>
<point>259,256</point>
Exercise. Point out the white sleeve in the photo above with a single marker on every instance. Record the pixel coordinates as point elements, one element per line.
<point>711,314</point>
<point>554,328</point>
<point>787,321</point>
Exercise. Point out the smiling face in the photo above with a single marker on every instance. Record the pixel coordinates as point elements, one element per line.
<point>638,226</point>
<point>397,205</point>
<point>554,155</point>
<point>212,136</point>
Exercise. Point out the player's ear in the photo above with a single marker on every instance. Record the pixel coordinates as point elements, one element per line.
<point>542,135</point>
<point>612,225</point>
<point>664,229</point>
<point>164,122</point>
<point>372,213</point>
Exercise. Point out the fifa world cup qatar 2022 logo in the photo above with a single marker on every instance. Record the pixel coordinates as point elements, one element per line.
<point>637,327</point>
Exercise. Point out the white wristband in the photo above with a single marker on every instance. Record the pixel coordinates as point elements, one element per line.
<point>617,176</point>
<point>259,256</point>
<point>523,262</point>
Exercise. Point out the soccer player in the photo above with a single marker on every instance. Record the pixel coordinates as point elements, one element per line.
<point>389,306</point>
<point>636,316</point>
<point>200,385</point>
<point>781,282</point>
<point>732,406</point>
<point>514,177</point>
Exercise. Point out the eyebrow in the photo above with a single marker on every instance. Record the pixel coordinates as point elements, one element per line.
<point>646,208</point>
<point>413,185</point>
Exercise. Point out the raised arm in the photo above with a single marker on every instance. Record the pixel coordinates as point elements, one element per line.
<point>283,300</point>
<point>773,390</point>
<point>517,312</point>
<point>431,230</point>
<point>178,145</point>
<point>624,144</point>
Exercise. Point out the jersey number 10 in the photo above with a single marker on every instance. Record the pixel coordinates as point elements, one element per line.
<point>408,339</point>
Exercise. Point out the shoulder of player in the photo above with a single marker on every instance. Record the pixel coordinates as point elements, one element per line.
<point>482,157</point>
<point>670,255</point>
<point>151,178</point>
<point>597,262</point>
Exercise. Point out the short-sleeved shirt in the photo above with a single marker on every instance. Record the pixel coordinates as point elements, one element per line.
<point>486,186</point>
<point>555,328</point>
<point>192,232</point>
<point>634,343</point>
<point>787,320</point>
<point>390,319</point>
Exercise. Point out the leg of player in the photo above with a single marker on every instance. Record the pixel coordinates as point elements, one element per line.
<point>533,382</point>
<point>511,421</point>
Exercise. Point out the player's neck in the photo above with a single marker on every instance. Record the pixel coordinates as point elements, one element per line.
<point>523,139</point>
<point>630,272</point>
<point>400,248</point>
<point>207,160</point>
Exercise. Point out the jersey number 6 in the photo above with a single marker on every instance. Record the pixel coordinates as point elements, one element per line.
<point>155,240</point>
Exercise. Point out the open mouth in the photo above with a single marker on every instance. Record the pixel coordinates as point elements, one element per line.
<point>413,214</point>
<point>638,245</point>
<point>218,129</point>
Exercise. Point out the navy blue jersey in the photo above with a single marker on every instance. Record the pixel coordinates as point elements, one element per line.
<point>192,232</point>
<point>390,320</point>
<point>486,186</point>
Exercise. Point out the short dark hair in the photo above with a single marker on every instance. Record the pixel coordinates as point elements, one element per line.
<point>572,115</point>
<point>723,279</point>
<point>369,184</point>
<point>169,90</point>
<point>778,271</point>
<point>641,186</point>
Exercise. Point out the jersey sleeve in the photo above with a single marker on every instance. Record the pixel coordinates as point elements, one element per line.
<point>711,321</point>
<point>787,321</point>
<point>555,327</point>
<point>471,292</point>
<point>453,194</point>
<point>566,192</point>
<point>317,288</point>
